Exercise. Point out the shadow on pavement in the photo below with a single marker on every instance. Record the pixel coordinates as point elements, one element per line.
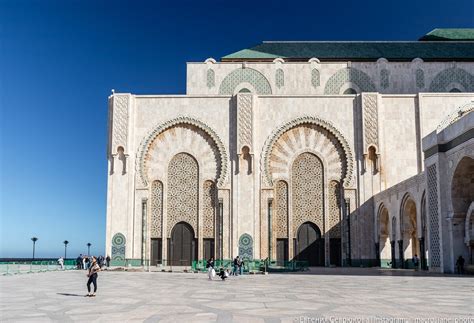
<point>67,294</point>
<point>351,271</point>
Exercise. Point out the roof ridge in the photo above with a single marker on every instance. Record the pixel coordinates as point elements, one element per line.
<point>354,41</point>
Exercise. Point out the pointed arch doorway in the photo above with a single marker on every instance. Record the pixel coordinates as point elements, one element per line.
<point>182,248</point>
<point>309,244</point>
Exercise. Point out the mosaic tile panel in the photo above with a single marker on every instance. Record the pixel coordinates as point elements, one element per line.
<point>280,78</point>
<point>156,209</point>
<point>349,75</point>
<point>452,75</point>
<point>208,209</point>
<point>308,188</point>
<point>315,78</point>
<point>182,194</point>
<point>211,78</point>
<point>435,256</point>
<point>280,224</point>
<point>247,75</point>
<point>246,247</point>
<point>384,78</point>
<point>420,78</point>
<point>334,201</point>
<point>118,247</point>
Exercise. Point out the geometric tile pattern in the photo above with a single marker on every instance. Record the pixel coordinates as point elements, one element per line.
<point>452,75</point>
<point>384,78</point>
<point>279,78</point>
<point>280,224</point>
<point>248,75</point>
<point>156,209</point>
<point>435,257</point>
<point>208,209</point>
<point>211,78</point>
<point>315,77</point>
<point>244,120</point>
<point>420,78</point>
<point>183,176</point>
<point>349,75</point>
<point>120,122</point>
<point>334,204</point>
<point>246,247</point>
<point>370,114</point>
<point>308,191</point>
<point>118,247</point>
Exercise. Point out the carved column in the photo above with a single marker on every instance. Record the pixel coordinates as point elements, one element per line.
<point>245,186</point>
<point>118,128</point>
<point>370,129</point>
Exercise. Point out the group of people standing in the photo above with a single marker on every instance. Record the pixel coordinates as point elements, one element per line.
<point>85,262</point>
<point>237,269</point>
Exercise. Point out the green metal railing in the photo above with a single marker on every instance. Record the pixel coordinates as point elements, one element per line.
<point>287,266</point>
<point>249,265</point>
<point>26,267</point>
<point>253,266</point>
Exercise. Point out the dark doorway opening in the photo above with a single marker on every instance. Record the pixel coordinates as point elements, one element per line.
<point>309,244</point>
<point>335,251</point>
<point>208,248</point>
<point>182,246</point>
<point>156,251</point>
<point>282,251</point>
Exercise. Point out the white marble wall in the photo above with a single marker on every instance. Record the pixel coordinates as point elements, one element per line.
<point>402,75</point>
<point>402,121</point>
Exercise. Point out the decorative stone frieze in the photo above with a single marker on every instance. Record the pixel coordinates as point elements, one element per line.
<point>244,121</point>
<point>120,119</point>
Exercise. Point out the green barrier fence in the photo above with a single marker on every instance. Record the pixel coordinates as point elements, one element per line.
<point>26,267</point>
<point>254,266</point>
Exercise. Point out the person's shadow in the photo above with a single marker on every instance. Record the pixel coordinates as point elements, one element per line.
<point>67,294</point>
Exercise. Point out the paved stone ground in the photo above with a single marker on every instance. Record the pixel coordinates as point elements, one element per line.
<point>182,297</point>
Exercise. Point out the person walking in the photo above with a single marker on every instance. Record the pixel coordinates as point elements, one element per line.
<point>210,268</point>
<point>416,261</point>
<point>79,262</point>
<point>460,265</point>
<point>236,266</point>
<point>61,263</point>
<point>241,266</point>
<point>92,274</point>
<point>107,261</point>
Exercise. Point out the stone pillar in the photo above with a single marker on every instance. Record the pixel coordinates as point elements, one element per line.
<point>400,253</point>
<point>120,184</point>
<point>394,259</point>
<point>245,184</point>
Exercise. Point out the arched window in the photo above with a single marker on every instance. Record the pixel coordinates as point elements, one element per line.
<point>315,77</point>
<point>350,91</point>
<point>245,90</point>
<point>455,90</point>
<point>280,78</point>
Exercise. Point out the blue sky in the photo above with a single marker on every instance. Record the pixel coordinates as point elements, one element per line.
<point>59,61</point>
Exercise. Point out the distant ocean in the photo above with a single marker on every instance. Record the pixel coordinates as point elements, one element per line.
<point>30,259</point>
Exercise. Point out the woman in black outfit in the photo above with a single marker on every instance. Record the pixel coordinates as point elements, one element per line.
<point>93,270</point>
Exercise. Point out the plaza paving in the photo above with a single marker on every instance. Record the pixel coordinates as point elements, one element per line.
<point>186,297</point>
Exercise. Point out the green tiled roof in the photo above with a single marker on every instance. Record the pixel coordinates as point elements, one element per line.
<point>450,34</point>
<point>459,48</point>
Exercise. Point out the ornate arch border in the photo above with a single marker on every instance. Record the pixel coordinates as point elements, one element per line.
<point>146,142</point>
<point>349,178</point>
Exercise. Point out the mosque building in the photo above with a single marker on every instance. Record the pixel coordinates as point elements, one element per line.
<point>335,153</point>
